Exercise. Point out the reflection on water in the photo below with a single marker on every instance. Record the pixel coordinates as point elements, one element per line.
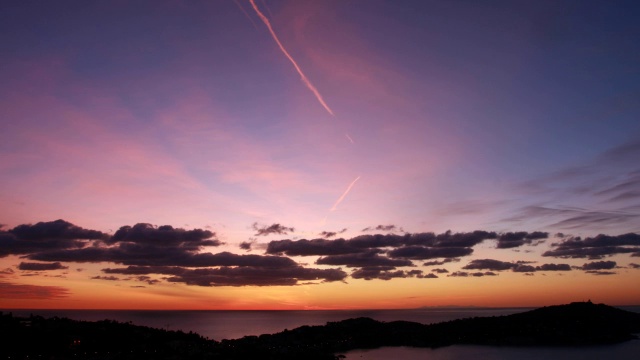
<point>629,350</point>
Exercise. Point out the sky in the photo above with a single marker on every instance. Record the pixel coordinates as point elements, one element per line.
<point>338,154</point>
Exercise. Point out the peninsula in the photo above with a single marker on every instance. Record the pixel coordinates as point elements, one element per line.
<point>575,324</point>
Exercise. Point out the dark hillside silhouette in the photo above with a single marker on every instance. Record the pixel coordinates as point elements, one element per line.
<point>576,324</point>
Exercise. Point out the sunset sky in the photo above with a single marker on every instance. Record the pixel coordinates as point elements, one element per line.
<point>299,154</point>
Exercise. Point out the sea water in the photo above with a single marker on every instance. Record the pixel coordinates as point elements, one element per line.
<point>629,350</point>
<point>218,325</point>
<point>221,324</point>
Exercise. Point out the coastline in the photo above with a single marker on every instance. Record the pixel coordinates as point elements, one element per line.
<point>576,324</point>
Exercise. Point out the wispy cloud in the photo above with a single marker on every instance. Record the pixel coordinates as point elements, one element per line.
<point>23,291</point>
<point>595,247</point>
<point>389,228</point>
<point>607,189</point>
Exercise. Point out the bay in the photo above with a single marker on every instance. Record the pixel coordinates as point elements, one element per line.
<point>629,350</point>
<point>233,324</point>
<point>221,324</point>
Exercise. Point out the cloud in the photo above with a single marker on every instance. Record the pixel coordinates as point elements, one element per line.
<point>602,218</point>
<point>524,268</point>
<point>601,240</point>
<point>634,265</point>
<point>440,271</point>
<point>459,274</point>
<point>595,247</point>
<point>388,228</point>
<point>59,234</point>
<point>370,258</point>
<point>449,239</point>
<point>598,265</point>
<point>247,245</point>
<point>446,239</point>
<point>235,276</point>
<point>6,271</point>
<point>625,190</point>
<point>430,276</point>
<point>138,254</point>
<point>613,178</point>
<point>474,274</point>
<point>575,218</point>
<point>58,229</point>
<point>554,267</point>
<point>417,246</point>
<point>108,278</point>
<point>256,276</point>
<point>165,235</point>
<point>629,151</point>
<point>434,263</point>
<point>384,273</point>
<point>305,247</point>
<point>489,264</point>
<point>145,244</point>
<point>591,253</point>
<point>415,272</point>
<point>515,239</point>
<point>327,234</point>
<point>487,273</point>
<point>403,244</point>
<point>519,266</point>
<point>271,229</point>
<point>330,234</point>
<point>600,272</point>
<point>37,292</point>
<point>141,244</point>
<point>145,270</point>
<point>148,249</point>
<point>422,252</point>
<point>146,279</point>
<point>176,253</point>
<point>391,240</point>
<point>377,272</point>
<point>29,266</point>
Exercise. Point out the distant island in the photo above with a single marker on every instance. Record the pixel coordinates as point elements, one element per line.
<point>575,324</point>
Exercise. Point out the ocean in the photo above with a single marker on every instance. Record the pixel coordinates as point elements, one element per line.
<point>218,325</point>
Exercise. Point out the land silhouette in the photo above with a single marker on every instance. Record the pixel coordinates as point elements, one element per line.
<point>575,324</point>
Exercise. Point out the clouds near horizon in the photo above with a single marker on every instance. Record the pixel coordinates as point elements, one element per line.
<point>177,254</point>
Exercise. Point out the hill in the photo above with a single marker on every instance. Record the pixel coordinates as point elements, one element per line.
<point>575,324</point>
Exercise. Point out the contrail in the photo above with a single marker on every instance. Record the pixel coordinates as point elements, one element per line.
<point>246,14</point>
<point>335,206</point>
<point>286,53</point>
<point>349,137</point>
<point>264,3</point>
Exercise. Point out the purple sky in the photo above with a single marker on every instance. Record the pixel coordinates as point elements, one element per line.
<point>426,116</point>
